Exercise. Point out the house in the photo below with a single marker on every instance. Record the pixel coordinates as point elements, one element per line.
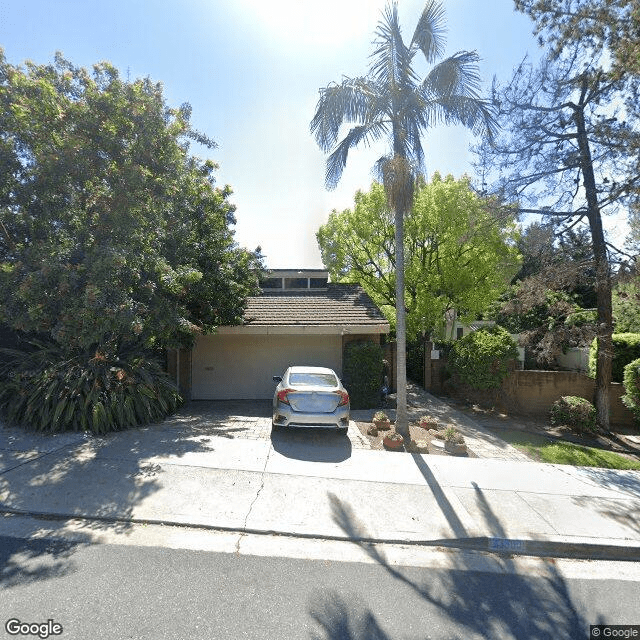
<point>298,318</point>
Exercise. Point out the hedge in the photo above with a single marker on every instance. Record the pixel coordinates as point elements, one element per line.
<point>362,372</point>
<point>626,347</point>
<point>481,359</point>
<point>631,399</point>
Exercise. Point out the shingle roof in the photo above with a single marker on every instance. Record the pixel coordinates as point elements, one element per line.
<point>338,304</point>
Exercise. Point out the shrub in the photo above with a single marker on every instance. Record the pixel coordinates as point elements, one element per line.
<point>574,412</point>
<point>362,372</point>
<point>415,360</point>
<point>481,358</point>
<point>46,390</point>
<point>631,398</point>
<point>626,347</point>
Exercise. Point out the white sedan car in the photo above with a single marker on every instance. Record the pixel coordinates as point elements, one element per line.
<point>310,397</point>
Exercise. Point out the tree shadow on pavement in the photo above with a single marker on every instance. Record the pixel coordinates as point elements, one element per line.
<point>95,484</point>
<point>479,595</point>
<point>25,561</point>
<point>338,622</point>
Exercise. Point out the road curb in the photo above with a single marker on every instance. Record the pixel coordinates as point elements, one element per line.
<point>505,547</point>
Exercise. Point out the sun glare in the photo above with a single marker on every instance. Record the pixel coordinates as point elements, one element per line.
<point>332,22</point>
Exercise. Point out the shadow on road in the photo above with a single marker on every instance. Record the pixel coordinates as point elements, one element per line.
<point>479,595</point>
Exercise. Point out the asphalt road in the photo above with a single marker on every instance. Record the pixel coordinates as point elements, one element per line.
<point>130,592</point>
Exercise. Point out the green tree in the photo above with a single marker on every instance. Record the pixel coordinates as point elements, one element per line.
<point>600,25</point>
<point>458,256</point>
<point>569,148</point>
<point>110,231</point>
<point>391,103</point>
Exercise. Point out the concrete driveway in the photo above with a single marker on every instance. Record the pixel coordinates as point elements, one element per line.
<point>251,419</point>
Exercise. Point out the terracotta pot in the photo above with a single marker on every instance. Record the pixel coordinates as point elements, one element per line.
<point>393,445</point>
<point>382,425</point>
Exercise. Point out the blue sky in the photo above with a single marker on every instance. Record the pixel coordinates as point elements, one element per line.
<point>251,70</point>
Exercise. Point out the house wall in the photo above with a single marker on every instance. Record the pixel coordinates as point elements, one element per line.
<point>182,359</point>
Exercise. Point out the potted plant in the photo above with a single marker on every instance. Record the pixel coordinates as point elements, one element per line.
<point>428,422</point>
<point>381,420</point>
<point>393,441</point>
<point>453,441</point>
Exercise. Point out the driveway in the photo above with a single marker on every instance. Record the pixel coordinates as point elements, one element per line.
<point>251,419</point>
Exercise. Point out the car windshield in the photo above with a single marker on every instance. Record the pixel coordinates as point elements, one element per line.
<point>313,380</point>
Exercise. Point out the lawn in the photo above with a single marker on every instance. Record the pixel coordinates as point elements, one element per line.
<point>546,450</point>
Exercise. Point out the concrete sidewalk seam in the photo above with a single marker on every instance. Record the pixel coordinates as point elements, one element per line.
<point>38,457</point>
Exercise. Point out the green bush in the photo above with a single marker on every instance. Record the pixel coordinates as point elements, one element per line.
<point>626,347</point>
<point>631,398</point>
<point>43,389</point>
<point>481,359</point>
<point>415,360</point>
<point>574,412</point>
<point>362,372</point>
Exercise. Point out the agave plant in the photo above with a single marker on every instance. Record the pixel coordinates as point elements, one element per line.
<point>44,389</point>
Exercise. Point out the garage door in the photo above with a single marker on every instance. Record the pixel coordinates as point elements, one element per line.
<point>226,367</point>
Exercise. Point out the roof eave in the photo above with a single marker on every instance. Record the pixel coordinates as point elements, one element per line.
<point>306,329</point>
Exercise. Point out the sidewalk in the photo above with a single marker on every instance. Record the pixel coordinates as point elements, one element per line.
<point>206,474</point>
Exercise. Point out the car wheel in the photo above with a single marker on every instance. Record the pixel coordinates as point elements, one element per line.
<point>343,431</point>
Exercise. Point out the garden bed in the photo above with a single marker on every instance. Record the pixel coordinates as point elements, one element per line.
<point>416,432</point>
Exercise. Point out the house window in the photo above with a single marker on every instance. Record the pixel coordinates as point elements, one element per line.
<point>459,333</point>
<point>271,283</point>
<point>295,283</point>
<point>318,283</point>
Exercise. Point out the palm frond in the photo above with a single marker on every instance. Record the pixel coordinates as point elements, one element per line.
<point>458,74</point>
<point>451,95</point>
<point>353,100</point>
<point>391,59</point>
<point>473,113</point>
<point>429,34</point>
<point>337,161</point>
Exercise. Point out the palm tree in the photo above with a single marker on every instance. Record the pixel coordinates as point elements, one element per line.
<point>392,103</point>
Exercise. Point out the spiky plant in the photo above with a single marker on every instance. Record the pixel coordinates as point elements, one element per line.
<point>47,390</point>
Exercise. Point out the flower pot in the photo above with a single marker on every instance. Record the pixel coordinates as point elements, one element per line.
<point>455,449</point>
<point>382,425</point>
<point>393,445</point>
<point>420,446</point>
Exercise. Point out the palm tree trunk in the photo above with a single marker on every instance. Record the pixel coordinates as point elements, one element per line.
<point>402,421</point>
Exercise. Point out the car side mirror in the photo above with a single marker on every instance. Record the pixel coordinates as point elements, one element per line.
<point>277,378</point>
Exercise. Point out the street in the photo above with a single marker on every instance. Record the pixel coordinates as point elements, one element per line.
<point>125,590</point>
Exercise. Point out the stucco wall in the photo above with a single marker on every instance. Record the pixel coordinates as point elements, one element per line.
<point>534,392</point>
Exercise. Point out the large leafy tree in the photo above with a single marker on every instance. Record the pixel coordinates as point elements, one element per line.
<point>111,233</point>
<point>458,255</point>
<point>393,104</point>
<point>569,149</point>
